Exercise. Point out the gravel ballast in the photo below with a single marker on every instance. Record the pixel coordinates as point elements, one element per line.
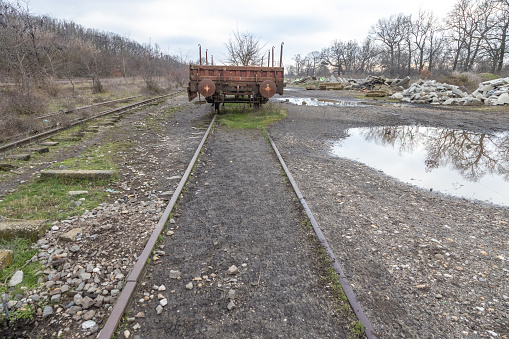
<point>246,269</point>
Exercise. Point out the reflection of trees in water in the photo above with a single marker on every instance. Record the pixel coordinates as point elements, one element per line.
<point>471,154</point>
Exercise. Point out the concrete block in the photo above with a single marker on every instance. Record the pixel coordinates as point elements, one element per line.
<point>17,228</point>
<point>79,174</point>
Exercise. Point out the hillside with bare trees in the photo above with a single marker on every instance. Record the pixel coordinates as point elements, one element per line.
<point>38,53</point>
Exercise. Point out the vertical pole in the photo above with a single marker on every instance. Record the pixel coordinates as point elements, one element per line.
<point>200,53</point>
<point>272,56</point>
<point>281,56</point>
<point>206,57</point>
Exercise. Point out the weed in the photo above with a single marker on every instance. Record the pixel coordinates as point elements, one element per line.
<point>22,254</point>
<point>23,313</point>
<point>358,328</point>
<point>240,117</point>
<point>48,199</point>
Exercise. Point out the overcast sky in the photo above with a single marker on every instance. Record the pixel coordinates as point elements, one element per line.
<point>179,26</point>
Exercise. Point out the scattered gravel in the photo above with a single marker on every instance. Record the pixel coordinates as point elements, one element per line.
<point>422,264</point>
<point>87,258</point>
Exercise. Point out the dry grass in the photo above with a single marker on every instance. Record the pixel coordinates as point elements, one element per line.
<point>19,112</point>
<point>468,82</point>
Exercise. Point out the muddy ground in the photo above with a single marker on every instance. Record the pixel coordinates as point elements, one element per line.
<point>422,264</point>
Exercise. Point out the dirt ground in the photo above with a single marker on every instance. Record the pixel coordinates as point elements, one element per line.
<point>422,264</point>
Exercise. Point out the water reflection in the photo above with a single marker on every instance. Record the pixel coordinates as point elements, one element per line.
<point>320,102</point>
<point>457,162</point>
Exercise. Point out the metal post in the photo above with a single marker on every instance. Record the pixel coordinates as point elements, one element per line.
<point>281,56</point>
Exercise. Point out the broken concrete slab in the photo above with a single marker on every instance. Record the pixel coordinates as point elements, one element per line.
<point>18,228</point>
<point>69,138</point>
<point>74,193</point>
<point>71,235</point>
<point>22,157</point>
<point>331,86</point>
<point>79,174</point>
<point>48,143</point>
<point>6,167</point>
<point>5,258</point>
<point>40,150</point>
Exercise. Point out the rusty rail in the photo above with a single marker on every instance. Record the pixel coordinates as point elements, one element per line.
<point>88,106</point>
<point>140,266</point>
<point>45,135</point>
<point>343,280</point>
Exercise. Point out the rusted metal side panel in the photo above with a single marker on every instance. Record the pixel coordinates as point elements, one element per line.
<point>235,80</point>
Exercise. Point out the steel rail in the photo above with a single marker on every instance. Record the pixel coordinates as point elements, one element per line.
<point>46,134</point>
<point>72,110</point>
<point>343,280</point>
<point>140,266</point>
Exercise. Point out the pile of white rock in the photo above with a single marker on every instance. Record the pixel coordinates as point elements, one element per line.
<point>493,92</point>
<point>432,92</point>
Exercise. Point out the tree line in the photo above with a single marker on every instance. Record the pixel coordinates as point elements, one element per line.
<point>37,49</point>
<point>471,38</point>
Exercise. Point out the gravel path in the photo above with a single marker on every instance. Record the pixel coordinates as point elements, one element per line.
<point>237,211</point>
<point>422,264</point>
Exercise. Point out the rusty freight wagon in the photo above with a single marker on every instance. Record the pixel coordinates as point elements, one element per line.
<point>235,84</point>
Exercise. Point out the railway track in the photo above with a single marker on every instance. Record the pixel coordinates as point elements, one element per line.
<point>126,299</point>
<point>51,132</point>
<point>139,269</point>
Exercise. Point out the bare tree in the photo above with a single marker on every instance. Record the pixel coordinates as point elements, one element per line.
<point>298,64</point>
<point>314,59</point>
<point>333,55</point>
<point>390,32</point>
<point>244,49</point>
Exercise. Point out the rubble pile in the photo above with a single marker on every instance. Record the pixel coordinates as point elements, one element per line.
<point>304,80</point>
<point>432,92</point>
<point>378,82</point>
<point>493,92</point>
<point>372,82</point>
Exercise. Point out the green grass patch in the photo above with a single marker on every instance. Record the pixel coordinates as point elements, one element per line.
<point>48,198</point>
<point>22,252</point>
<point>241,116</point>
<point>487,76</point>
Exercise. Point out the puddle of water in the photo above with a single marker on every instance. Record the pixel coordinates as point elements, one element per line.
<point>455,162</point>
<point>320,102</point>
